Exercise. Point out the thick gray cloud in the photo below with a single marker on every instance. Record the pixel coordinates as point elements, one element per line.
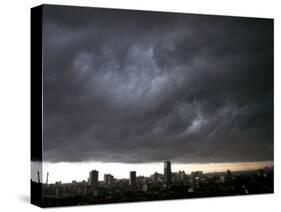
<point>131,86</point>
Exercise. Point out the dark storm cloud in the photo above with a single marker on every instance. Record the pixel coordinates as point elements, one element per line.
<point>128,86</point>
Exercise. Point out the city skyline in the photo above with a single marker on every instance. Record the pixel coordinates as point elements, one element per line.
<point>80,171</point>
<point>157,186</point>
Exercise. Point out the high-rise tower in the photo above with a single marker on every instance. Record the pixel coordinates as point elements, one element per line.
<point>93,177</point>
<point>167,172</point>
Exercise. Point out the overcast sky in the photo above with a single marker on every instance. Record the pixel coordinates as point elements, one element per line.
<point>136,87</point>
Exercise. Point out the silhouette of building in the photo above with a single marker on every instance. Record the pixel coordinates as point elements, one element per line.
<point>178,176</point>
<point>132,181</point>
<point>93,177</point>
<point>156,177</point>
<point>108,179</point>
<point>167,172</point>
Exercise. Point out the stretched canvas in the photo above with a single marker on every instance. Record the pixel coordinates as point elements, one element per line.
<point>131,105</point>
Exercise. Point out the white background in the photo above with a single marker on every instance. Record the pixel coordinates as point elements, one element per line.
<point>15,103</point>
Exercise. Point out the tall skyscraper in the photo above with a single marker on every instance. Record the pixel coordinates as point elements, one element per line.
<point>93,177</point>
<point>133,178</point>
<point>167,172</point>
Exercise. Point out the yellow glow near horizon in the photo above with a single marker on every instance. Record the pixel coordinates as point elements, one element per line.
<point>66,172</point>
